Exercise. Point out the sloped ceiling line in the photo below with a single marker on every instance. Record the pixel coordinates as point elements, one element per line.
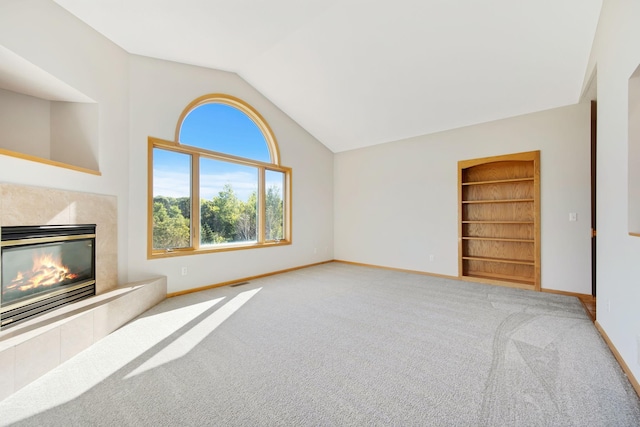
<point>356,73</point>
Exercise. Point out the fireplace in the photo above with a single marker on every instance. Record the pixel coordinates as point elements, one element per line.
<point>44,267</point>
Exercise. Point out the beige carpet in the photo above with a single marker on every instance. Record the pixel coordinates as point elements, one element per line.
<point>342,345</point>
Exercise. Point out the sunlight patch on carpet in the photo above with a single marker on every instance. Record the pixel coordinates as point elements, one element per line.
<point>190,339</point>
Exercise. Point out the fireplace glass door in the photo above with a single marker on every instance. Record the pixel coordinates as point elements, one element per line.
<point>45,270</point>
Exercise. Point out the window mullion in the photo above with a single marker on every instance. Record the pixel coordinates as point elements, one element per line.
<point>195,201</point>
<point>262,206</point>
<point>150,199</point>
<point>287,195</point>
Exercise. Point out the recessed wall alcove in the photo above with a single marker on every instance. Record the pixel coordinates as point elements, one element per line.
<point>44,119</point>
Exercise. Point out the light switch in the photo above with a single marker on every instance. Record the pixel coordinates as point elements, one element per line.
<point>573,216</point>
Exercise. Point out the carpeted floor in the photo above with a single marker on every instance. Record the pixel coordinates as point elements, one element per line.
<point>338,344</point>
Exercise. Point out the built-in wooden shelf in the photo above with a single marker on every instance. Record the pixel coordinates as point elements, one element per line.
<point>499,239</point>
<point>497,222</point>
<point>499,219</point>
<point>499,181</point>
<point>501,277</point>
<point>497,201</point>
<point>500,260</point>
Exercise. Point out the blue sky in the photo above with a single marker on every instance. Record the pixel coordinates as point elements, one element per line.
<point>216,127</point>
<point>223,128</point>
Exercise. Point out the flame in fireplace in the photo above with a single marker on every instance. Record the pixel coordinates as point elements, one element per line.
<point>47,270</point>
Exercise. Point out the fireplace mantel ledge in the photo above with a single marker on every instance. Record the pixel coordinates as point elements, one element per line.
<point>32,348</point>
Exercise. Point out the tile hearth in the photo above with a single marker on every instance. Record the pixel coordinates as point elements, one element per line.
<point>32,348</point>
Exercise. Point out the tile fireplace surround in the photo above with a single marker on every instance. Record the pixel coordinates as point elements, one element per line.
<point>28,350</point>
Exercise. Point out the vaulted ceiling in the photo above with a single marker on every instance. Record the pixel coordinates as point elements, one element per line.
<point>356,73</point>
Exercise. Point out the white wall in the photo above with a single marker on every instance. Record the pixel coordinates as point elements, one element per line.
<point>74,133</point>
<point>25,124</point>
<point>397,203</point>
<point>55,41</point>
<point>616,54</point>
<point>160,90</point>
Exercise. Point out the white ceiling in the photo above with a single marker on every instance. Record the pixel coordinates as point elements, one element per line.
<point>356,73</point>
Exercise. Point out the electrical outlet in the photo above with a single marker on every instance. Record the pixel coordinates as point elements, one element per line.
<point>573,216</point>
<point>184,271</point>
<point>432,257</point>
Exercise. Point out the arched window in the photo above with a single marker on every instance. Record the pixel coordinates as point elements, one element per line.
<point>219,185</point>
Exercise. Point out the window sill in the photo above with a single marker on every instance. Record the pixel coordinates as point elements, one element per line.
<point>208,250</point>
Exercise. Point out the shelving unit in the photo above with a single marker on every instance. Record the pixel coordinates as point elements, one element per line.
<point>499,220</point>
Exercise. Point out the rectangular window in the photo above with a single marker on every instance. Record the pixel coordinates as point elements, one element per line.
<point>274,201</point>
<point>202,201</point>
<point>228,202</point>
<point>171,200</point>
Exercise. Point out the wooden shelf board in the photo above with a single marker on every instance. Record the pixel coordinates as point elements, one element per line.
<point>496,276</point>
<point>496,201</point>
<point>500,239</point>
<point>498,181</point>
<point>48,162</point>
<point>500,260</point>
<point>498,222</point>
